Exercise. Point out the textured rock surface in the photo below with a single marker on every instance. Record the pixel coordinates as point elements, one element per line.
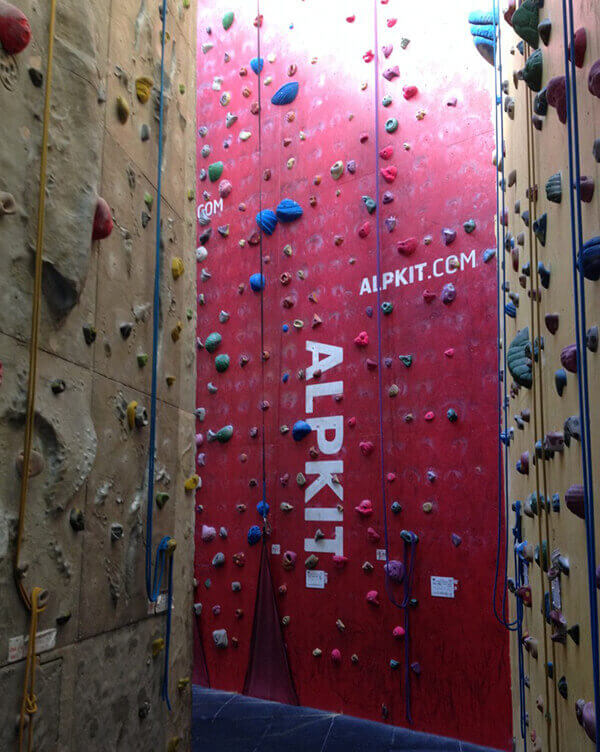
<point>92,685</point>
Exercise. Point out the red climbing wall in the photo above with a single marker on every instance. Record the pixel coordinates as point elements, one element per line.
<point>442,153</point>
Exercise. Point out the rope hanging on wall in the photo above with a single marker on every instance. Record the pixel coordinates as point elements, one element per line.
<point>164,552</point>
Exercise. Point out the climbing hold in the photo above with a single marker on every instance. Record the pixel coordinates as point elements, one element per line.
<point>220,638</point>
<point>257,282</point>
<point>428,507</point>
<point>77,519</point>
<point>267,221</point>
<point>192,483</point>
<point>408,246</point>
<point>222,435</point>
<point>311,561</point>
<point>364,230</point>
<point>525,22</point>
<point>365,508</point>
<point>556,93</point>
<point>122,109</point>
<point>254,535</point>
<point>142,359</point>
<point>288,560</point>
<point>58,386</point>
<point>575,500</point>
<point>394,570</point>
<point>286,94</point>
<point>448,236</point>
<point>389,173</point>
<point>554,188</point>
<point>89,334</point>
<point>103,221</point>
<point>372,597</point>
<point>532,72</point>
<point>218,560</point>
<point>396,507</point>
<point>288,210</point>
<point>300,430</point>
<point>228,20</point>
<point>143,87</point>
<point>586,716</point>
<point>215,170</point>
<point>452,415</point>
<point>448,293</point>
<point>586,189</point>
<point>177,267</point>
<point>369,203</point>
<point>589,259</point>
<point>391,125</point>
<point>568,358</point>
<point>391,73</point>
<point>337,169</point>
<point>257,64</point>
<point>15,31</point>
<point>594,79</point>
<point>469,226</point>
<point>387,307</point>
<point>519,359</point>
<point>591,339</point>
<point>222,363</point>
<point>560,380</point>
<point>456,540</point>
<point>539,227</point>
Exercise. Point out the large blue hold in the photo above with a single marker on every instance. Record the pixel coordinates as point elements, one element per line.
<point>267,221</point>
<point>289,210</point>
<point>589,259</point>
<point>262,508</point>
<point>257,282</point>
<point>510,310</point>
<point>286,94</point>
<point>254,535</point>
<point>257,64</point>
<point>300,430</point>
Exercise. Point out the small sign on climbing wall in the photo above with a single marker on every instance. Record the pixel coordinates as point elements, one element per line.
<point>17,646</point>
<point>316,578</point>
<point>442,587</point>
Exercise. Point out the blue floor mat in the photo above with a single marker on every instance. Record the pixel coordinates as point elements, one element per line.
<point>226,722</point>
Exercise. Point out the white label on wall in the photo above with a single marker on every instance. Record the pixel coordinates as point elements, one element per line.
<point>316,578</point>
<point>275,548</point>
<point>442,587</point>
<point>380,554</point>
<point>160,605</point>
<point>17,646</point>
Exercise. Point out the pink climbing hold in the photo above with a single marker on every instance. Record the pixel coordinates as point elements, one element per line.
<point>398,633</point>
<point>428,296</point>
<point>387,152</point>
<point>408,246</point>
<point>389,173</point>
<point>225,188</point>
<point>339,561</point>
<point>366,447</point>
<point>373,597</point>
<point>199,439</point>
<point>362,339</point>
<point>429,415</point>
<point>449,353</point>
<point>368,56</point>
<point>364,230</point>
<point>371,364</point>
<point>556,93</point>
<point>350,19</point>
<point>387,50</point>
<point>372,535</point>
<point>391,22</point>
<point>352,422</point>
<point>594,79</point>
<point>365,508</point>
<point>208,533</point>
<point>103,222</point>
<point>408,92</point>
<point>336,656</point>
<point>391,73</point>
<point>390,477</point>
<point>15,31</point>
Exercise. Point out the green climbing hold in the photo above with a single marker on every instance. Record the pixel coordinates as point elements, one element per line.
<point>142,359</point>
<point>525,22</point>
<point>369,204</point>
<point>222,363</point>
<point>518,359</point>
<point>89,334</point>
<point>406,359</point>
<point>228,20</point>
<point>161,499</point>
<point>532,71</point>
<point>337,169</point>
<point>469,226</point>
<point>386,101</point>
<point>391,125</point>
<point>387,307</point>
<point>554,188</point>
<point>148,200</point>
<point>222,435</point>
<point>215,170</point>
<point>212,342</point>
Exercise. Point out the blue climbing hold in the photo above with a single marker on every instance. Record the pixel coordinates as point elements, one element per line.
<point>285,378</point>
<point>300,430</point>
<point>257,64</point>
<point>286,94</point>
<point>510,310</point>
<point>254,535</point>
<point>262,508</point>
<point>589,259</point>
<point>488,255</point>
<point>394,664</point>
<point>267,221</point>
<point>257,282</point>
<point>396,507</point>
<point>285,328</point>
<point>484,32</point>
<point>288,210</point>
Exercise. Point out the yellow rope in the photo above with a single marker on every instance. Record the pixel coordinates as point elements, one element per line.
<point>35,603</point>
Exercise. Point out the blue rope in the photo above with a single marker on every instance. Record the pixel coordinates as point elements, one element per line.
<point>154,578</point>
<point>409,548</point>
<point>580,333</point>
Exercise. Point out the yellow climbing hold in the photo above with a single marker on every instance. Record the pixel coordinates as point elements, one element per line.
<point>122,109</point>
<point>177,267</point>
<point>173,744</point>
<point>143,87</point>
<point>170,380</point>
<point>192,483</point>
<point>176,331</point>
<point>157,646</point>
<point>131,413</point>
<point>183,683</point>
<point>291,162</point>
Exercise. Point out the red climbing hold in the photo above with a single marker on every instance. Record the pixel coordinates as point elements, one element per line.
<point>366,447</point>
<point>363,138</point>
<point>580,37</point>
<point>390,477</point>
<point>509,12</point>
<point>429,415</point>
<point>364,230</point>
<point>365,508</point>
<point>362,339</point>
<point>339,561</point>
<point>350,19</point>
<point>372,535</point>
<point>352,422</point>
<point>594,79</point>
<point>407,247</point>
<point>15,31</point>
<point>428,296</point>
<point>103,222</point>
<point>387,152</point>
<point>389,173</point>
<point>408,92</point>
<point>368,56</point>
<point>391,22</point>
<point>373,597</point>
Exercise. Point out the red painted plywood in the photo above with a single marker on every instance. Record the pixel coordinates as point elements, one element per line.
<point>445,177</point>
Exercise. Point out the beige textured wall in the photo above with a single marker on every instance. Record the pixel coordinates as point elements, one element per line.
<point>92,685</point>
<point>552,722</point>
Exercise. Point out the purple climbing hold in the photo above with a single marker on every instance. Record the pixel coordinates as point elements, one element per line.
<point>390,223</point>
<point>391,73</point>
<point>351,166</point>
<point>448,293</point>
<point>394,569</point>
<point>575,500</point>
<point>594,79</point>
<point>556,94</point>
<point>568,358</point>
<point>448,235</point>
<point>388,197</point>
<point>456,539</point>
<point>585,712</point>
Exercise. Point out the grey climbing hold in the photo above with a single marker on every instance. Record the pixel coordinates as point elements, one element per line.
<point>218,559</point>
<point>220,638</point>
<point>116,531</point>
<point>519,360</point>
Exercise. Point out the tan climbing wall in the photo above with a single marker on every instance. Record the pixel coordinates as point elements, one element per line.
<point>99,686</point>
<point>532,156</point>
